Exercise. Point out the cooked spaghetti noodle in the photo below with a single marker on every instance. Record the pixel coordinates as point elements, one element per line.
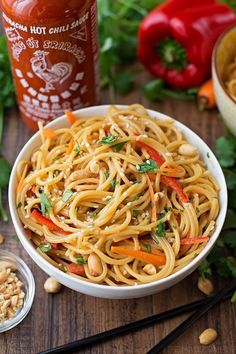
<point>115,200</point>
<point>230,79</point>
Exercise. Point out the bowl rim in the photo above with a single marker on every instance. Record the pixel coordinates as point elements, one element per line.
<point>27,244</point>
<point>28,302</point>
<point>214,55</point>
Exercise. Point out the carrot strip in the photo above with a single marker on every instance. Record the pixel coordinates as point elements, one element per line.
<point>20,185</point>
<point>47,222</point>
<point>71,117</point>
<point>142,256</point>
<point>151,192</point>
<point>49,133</point>
<point>172,171</point>
<point>193,240</point>
<point>143,248</point>
<point>175,185</point>
<point>70,146</point>
<point>76,269</point>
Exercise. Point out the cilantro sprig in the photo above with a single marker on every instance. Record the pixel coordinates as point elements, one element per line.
<point>147,166</point>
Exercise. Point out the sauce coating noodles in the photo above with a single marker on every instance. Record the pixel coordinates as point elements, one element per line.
<point>121,205</point>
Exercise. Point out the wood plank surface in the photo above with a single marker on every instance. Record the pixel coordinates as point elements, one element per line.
<point>57,319</point>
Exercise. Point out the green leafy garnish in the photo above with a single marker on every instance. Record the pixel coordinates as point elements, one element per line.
<point>119,146</point>
<point>113,183</point>
<point>15,238</point>
<point>160,230</point>
<point>109,139</point>
<point>19,205</point>
<point>80,260</point>
<point>66,196</point>
<point>77,148</point>
<point>233,298</point>
<point>45,247</point>
<point>135,213</point>
<point>225,150</point>
<point>147,166</point>
<point>45,203</point>
<point>5,171</point>
<point>157,90</point>
<point>148,247</point>
<point>106,174</point>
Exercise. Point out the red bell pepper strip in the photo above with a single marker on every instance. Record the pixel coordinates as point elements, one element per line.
<point>47,222</point>
<point>176,39</point>
<point>76,269</point>
<point>169,181</point>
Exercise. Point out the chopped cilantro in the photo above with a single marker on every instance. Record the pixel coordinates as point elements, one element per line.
<point>55,159</point>
<point>168,209</point>
<point>147,166</point>
<point>45,247</point>
<point>208,155</point>
<point>160,230</point>
<point>106,174</point>
<point>45,203</point>
<point>135,213</point>
<point>19,205</point>
<point>66,196</point>
<point>233,298</point>
<point>109,139</point>
<point>148,247</point>
<point>113,183</point>
<point>15,238</point>
<point>119,146</point>
<point>205,270</point>
<point>80,260</point>
<point>77,148</point>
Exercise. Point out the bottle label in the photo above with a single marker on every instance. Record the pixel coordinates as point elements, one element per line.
<point>55,66</point>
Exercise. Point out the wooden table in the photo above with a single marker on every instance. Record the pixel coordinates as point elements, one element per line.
<point>57,319</point>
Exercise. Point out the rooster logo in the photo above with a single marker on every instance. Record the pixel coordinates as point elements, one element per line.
<point>54,74</point>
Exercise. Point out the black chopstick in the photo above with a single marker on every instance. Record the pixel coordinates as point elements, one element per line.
<point>130,327</point>
<point>179,330</point>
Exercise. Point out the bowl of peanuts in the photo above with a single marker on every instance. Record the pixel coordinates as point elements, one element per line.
<point>17,289</point>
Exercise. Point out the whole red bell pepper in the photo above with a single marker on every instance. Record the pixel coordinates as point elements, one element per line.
<point>176,39</point>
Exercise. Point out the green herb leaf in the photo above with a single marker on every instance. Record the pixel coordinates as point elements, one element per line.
<point>15,238</point>
<point>77,149</point>
<point>119,146</point>
<point>45,203</point>
<point>5,171</point>
<point>233,298</point>
<point>124,82</point>
<point>135,213</point>
<point>109,139</point>
<point>147,166</point>
<point>45,247</point>
<point>160,230</point>
<point>113,183</point>
<point>205,270</point>
<point>80,260</point>
<point>225,150</point>
<point>66,196</point>
<point>106,174</point>
<point>148,247</point>
<point>19,205</point>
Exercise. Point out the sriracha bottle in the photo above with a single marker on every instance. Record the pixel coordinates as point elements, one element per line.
<point>53,47</point>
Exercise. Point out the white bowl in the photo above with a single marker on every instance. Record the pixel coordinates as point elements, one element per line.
<point>224,54</point>
<point>118,292</point>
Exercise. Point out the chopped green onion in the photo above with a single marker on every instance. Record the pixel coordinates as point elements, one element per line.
<point>66,196</point>
<point>45,247</point>
<point>135,213</point>
<point>45,203</point>
<point>109,139</point>
<point>80,260</point>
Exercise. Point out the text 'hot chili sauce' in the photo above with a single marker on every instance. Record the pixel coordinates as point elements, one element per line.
<point>54,54</point>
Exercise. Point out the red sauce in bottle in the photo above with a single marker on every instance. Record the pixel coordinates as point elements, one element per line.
<point>54,55</point>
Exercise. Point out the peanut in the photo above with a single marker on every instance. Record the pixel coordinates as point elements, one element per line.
<point>51,285</point>
<point>149,269</point>
<point>7,265</point>
<point>208,336</point>
<point>187,150</point>
<point>205,285</point>
<point>95,265</point>
<point>3,276</point>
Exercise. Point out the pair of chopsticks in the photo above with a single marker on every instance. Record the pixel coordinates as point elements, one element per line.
<point>200,307</point>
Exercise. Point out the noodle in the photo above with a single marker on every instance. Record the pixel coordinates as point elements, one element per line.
<point>230,81</point>
<point>112,201</point>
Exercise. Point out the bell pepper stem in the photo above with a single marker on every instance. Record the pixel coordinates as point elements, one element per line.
<point>172,54</point>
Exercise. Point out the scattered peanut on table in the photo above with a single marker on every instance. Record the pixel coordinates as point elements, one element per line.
<point>208,336</point>
<point>205,285</point>
<point>52,286</point>
<point>11,293</point>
